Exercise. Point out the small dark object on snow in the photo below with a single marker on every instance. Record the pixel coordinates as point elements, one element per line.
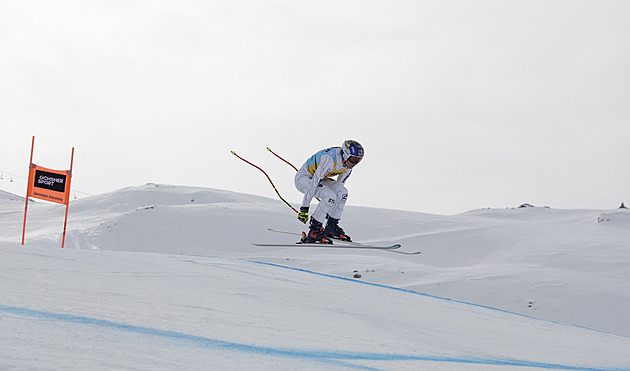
<point>622,206</point>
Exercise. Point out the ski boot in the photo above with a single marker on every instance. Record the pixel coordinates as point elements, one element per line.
<point>315,234</point>
<point>334,231</point>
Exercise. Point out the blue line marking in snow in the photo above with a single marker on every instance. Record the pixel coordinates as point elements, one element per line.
<point>399,289</point>
<point>418,293</point>
<point>192,340</point>
<point>328,356</point>
<point>315,355</point>
<point>325,356</point>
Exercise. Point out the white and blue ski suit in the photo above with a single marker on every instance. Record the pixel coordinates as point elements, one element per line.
<point>314,179</point>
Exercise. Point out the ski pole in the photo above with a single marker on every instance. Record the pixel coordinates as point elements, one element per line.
<point>290,164</point>
<point>273,185</point>
<point>294,168</point>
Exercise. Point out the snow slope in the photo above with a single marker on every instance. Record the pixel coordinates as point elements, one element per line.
<point>164,277</point>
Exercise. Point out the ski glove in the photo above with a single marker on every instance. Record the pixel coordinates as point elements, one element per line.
<point>303,214</point>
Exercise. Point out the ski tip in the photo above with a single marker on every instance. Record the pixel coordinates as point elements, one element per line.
<point>407,252</point>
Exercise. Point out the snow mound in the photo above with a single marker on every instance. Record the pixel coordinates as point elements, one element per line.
<point>9,197</point>
<point>168,219</point>
<point>152,194</point>
<point>618,218</point>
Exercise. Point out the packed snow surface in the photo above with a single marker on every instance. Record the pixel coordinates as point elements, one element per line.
<point>160,277</point>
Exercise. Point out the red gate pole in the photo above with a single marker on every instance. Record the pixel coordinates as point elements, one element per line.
<point>65,221</point>
<point>30,166</point>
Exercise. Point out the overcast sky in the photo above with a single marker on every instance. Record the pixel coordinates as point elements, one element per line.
<point>459,104</point>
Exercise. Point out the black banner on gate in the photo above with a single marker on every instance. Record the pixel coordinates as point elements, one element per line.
<point>50,181</point>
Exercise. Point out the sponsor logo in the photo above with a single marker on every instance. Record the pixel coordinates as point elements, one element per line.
<point>48,197</point>
<point>50,181</point>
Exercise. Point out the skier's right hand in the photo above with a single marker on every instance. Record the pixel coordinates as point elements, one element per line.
<point>303,214</point>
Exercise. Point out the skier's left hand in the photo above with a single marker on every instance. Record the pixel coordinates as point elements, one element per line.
<point>303,214</point>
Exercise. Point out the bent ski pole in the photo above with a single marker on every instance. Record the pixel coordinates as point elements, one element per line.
<point>290,164</point>
<point>294,168</point>
<point>273,185</point>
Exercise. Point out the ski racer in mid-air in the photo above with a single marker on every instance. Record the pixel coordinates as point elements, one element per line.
<point>314,179</point>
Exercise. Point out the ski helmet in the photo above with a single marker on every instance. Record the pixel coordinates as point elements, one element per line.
<point>351,148</point>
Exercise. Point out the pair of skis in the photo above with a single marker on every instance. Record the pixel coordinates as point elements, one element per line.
<point>343,244</point>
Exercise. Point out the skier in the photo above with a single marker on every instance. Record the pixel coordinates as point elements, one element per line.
<point>314,179</point>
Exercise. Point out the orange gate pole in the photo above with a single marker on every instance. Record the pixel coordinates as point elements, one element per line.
<point>65,221</point>
<point>30,167</point>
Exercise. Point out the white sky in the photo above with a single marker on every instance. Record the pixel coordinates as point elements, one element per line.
<point>459,104</point>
